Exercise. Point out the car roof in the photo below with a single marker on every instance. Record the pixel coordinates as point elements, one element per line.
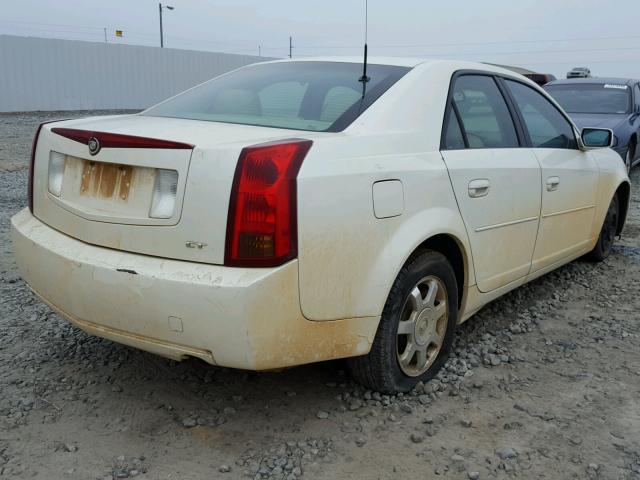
<point>394,61</point>
<point>409,62</point>
<point>595,80</point>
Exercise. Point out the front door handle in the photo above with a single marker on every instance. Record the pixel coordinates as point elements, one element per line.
<point>552,183</point>
<point>479,187</point>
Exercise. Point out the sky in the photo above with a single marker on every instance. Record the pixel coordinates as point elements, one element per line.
<point>550,36</point>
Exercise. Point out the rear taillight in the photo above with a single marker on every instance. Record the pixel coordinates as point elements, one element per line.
<point>32,164</point>
<point>262,220</point>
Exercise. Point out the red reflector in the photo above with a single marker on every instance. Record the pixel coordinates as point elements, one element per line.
<point>116,140</point>
<point>262,220</point>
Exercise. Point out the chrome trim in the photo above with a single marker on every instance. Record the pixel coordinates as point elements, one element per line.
<point>547,215</point>
<point>505,224</point>
<point>94,145</point>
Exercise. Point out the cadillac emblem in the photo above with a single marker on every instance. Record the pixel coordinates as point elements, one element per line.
<point>94,146</point>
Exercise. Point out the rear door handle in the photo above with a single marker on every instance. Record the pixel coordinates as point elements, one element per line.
<point>552,183</point>
<point>479,187</point>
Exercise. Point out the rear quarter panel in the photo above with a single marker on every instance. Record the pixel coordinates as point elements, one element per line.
<point>348,258</point>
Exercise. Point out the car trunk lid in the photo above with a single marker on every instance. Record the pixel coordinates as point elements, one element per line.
<point>106,197</point>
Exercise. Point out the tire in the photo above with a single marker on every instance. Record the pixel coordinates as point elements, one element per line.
<point>423,302</point>
<point>631,153</point>
<point>607,233</point>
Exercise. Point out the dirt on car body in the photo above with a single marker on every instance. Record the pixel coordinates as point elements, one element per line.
<point>542,383</point>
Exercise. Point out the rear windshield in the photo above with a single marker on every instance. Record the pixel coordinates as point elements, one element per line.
<point>591,97</point>
<point>311,96</point>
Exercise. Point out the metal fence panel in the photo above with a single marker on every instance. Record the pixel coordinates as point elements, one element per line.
<point>53,74</point>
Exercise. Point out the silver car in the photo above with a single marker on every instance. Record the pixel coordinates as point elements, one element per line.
<point>579,72</point>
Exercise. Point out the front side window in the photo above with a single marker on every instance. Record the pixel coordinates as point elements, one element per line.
<point>311,96</point>
<point>547,127</point>
<point>484,114</point>
<point>636,90</point>
<point>595,98</point>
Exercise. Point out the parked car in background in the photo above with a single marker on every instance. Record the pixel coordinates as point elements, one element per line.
<point>295,211</point>
<point>605,103</point>
<point>540,78</point>
<point>579,72</point>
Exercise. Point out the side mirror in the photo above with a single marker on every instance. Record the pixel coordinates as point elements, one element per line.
<point>597,138</point>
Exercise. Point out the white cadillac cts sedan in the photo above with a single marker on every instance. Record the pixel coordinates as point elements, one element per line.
<point>295,211</point>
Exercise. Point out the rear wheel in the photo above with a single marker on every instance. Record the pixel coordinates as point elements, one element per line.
<point>416,327</point>
<point>607,233</point>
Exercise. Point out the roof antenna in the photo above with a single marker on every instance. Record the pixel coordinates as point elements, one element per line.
<point>364,78</point>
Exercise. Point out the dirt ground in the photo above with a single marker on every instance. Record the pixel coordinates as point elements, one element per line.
<point>543,383</point>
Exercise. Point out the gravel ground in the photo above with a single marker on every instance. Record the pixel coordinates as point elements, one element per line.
<point>543,383</point>
<point>17,129</point>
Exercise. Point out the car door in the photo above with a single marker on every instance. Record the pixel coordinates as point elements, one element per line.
<point>569,177</point>
<point>495,181</point>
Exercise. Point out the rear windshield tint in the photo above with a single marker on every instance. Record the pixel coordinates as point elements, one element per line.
<point>311,96</point>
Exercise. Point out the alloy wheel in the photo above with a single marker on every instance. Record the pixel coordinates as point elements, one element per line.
<point>422,326</point>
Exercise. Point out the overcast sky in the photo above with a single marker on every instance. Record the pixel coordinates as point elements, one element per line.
<point>543,35</point>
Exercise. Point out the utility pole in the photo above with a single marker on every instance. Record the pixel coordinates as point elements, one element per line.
<point>160,7</point>
<point>259,53</point>
<point>290,46</point>
<point>105,35</point>
<point>161,39</point>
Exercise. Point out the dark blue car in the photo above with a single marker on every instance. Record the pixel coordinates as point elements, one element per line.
<point>612,103</point>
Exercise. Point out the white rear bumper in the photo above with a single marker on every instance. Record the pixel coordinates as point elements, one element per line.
<point>234,317</point>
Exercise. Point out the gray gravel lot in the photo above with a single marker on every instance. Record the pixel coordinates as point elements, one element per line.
<point>543,383</point>
<point>17,130</point>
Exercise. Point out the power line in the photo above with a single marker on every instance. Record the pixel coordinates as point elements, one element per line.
<point>462,44</point>
<point>97,32</point>
<point>88,27</point>
<point>73,29</point>
<point>414,45</point>
<point>572,62</point>
<point>518,52</point>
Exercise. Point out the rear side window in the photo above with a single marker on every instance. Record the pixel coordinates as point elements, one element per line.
<point>312,96</point>
<point>484,114</point>
<point>453,137</point>
<point>547,127</point>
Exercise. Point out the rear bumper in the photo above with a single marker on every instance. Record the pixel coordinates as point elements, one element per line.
<point>233,317</point>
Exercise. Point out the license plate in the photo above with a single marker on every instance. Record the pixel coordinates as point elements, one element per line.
<point>112,190</point>
<point>106,180</point>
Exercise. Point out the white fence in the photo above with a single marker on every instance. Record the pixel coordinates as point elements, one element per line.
<point>52,74</point>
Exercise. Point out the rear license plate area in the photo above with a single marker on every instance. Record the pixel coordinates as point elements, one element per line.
<point>106,180</point>
<point>110,190</point>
